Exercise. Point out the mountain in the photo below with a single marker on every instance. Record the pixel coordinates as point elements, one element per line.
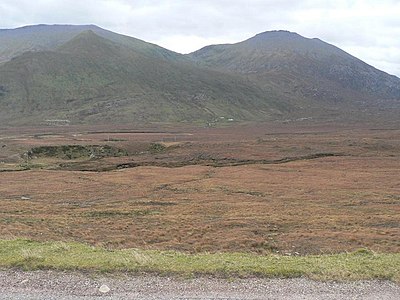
<point>92,79</point>
<point>14,42</point>
<point>308,68</point>
<point>87,74</point>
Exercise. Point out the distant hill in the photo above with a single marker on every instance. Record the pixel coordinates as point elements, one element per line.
<point>307,68</point>
<point>14,42</point>
<point>91,79</point>
<point>86,74</point>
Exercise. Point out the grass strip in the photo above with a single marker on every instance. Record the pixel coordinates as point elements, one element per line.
<point>359,265</point>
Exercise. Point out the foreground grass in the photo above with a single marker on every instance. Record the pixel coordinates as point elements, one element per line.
<point>31,255</point>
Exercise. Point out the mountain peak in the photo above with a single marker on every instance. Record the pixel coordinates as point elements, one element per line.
<point>87,34</point>
<point>273,33</point>
<point>304,62</point>
<point>88,42</point>
<point>50,28</point>
<point>277,35</point>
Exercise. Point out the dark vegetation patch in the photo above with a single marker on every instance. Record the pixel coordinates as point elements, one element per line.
<point>155,148</point>
<point>76,151</point>
<point>222,162</point>
<point>202,160</point>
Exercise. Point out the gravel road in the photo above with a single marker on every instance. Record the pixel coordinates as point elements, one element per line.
<point>62,286</point>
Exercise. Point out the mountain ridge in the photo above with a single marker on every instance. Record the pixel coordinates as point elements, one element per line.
<point>50,37</point>
<point>88,74</point>
<point>276,54</point>
<point>92,79</point>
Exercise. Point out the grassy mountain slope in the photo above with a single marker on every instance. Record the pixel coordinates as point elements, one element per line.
<point>308,68</point>
<point>93,79</point>
<point>14,42</point>
<point>87,74</point>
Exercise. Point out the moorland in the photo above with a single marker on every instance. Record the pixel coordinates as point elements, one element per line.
<point>274,156</point>
<point>290,188</point>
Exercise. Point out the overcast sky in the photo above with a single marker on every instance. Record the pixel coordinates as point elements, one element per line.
<point>367,29</point>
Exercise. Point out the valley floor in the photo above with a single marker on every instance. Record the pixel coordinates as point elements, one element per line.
<point>266,188</point>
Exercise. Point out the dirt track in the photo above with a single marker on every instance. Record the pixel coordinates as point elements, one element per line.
<point>56,285</point>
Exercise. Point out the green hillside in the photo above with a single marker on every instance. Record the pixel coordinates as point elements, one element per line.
<point>86,74</point>
<point>308,68</point>
<point>93,79</point>
<point>14,42</point>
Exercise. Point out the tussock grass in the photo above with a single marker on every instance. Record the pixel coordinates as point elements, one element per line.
<point>359,265</point>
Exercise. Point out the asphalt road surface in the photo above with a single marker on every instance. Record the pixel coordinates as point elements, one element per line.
<point>66,285</point>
